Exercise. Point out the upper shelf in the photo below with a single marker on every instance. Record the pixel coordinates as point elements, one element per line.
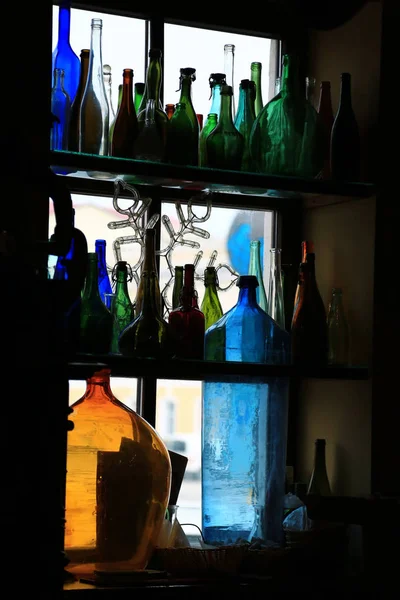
<point>272,188</point>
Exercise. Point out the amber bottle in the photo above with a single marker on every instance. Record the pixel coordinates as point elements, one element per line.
<point>126,124</point>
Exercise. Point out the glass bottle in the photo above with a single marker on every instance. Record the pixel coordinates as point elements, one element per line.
<point>122,307</point>
<point>149,143</point>
<point>183,133</point>
<point>255,75</point>
<point>61,108</point>
<point>200,120</point>
<point>325,120</point>
<point>187,323</point>
<point>224,145</point>
<point>94,113</point>
<point>126,125</point>
<point>149,266</point>
<point>169,109</point>
<point>152,91</point>
<point>209,126</point>
<point>147,336</point>
<point>311,83</point>
<point>73,129</point>
<point>277,87</point>
<point>345,138</point>
<point>103,277</point>
<point>229,67</point>
<point>307,247</point>
<point>108,85</point>
<point>117,484</point>
<point>138,95</point>
<point>276,307</point>
<point>319,482</point>
<point>178,285</point>
<point>309,331</point>
<point>110,137</point>
<point>255,268</point>
<point>96,321</point>
<point>245,118</point>
<point>63,56</point>
<point>211,306</point>
<point>72,266</point>
<point>338,331</point>
<point>244,429</point>
<point>284,138</point>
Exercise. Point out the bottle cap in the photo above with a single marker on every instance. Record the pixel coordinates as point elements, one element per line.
<point>155,53</point>
<point>188,71</point>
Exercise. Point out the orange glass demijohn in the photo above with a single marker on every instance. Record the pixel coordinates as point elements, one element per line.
<point>117,486</point>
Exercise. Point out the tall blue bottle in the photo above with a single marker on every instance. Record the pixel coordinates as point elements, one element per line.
<point>244,428</point>
<point>104,279</point>
<point>63,56</point>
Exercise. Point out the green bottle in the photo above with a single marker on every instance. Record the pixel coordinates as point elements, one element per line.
<point>211,123</point>
<point>122,308</point>
<point>255,269</point>
<point>152,91</point>
<point>138,95</point>
<point>120,90</point>
<point>215,81</point>
<point>245,118</point>
<point>178,285</point>
<point>183,134</point>
<point>147,336</point>
<point>285,137</point>
<point>255,75</point>
<point>225,144</point>
<point>96,321</point>
<point>211,306</point>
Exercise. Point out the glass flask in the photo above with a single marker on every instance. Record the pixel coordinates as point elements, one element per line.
<point>138,94</point>
<point>183,131</point>
<point>122,307</point>
<point>126,127</point>
<point>224,145</point>
<point>150,266</point>
<point>255,75</point>
<point>345,138</point>
<point>210,305</point>
<point>255,268</point>
<point>152,91</point>
<point>60,108</point>
<point>104,279</point>
<point>94,113</point>
<point>149,142</point>
<point>117,485</point>
<point>276,307</point>
<point>284,139</point>
<point>73,129</point>
<point>178,285</point>
<point>338,330</point>
<point>229,67</point>
<point>186,323</point>
<point>63,56</point>
<point>245,118</point>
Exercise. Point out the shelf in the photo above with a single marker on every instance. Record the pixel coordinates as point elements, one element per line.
<point>102,171</point>
<point>82,366</point>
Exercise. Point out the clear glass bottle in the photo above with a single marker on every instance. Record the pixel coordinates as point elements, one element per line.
<point>319,482</point>
<point>149,142</point>
<point>117,485</point>
<point>152,91</point>
<point>104,279</point>
<point>211,305</point>
<point>244,429</point>
<point>245,118</point>
<point>94,113</point>
<point>149,266</point>
<point>108,85</point>
<point>224,145</point>
<point>311,83</point>
<point>73,129</point>
<point>126,127</point>
<point>229,68</point>
<point>60,108</point>
<point>255,268</point>
<point>338,330</point>
<point>122,307</point>
<point>63,56</point>
<point>178,285</point>
<point>325,121</point>
<point>276,307</point>
<point>255,75</point>
<point>183,132</point>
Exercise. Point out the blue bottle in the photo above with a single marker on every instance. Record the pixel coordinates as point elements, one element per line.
<point>63,56</point>
<point>61,109</point>
<point>244,428</point>
<point>104,280</point>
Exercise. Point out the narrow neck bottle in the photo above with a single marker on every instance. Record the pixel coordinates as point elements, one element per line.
<point>319,482</point>
<point>209,126</point>
<point>255,268</point>
<point>64,24</point>
<point>149,306</point>
<point>188,75</point>
<point>225,118</point>
<point>275,293</point>
<point>149,266</point>
<point>138,95</point>
<point>255,70</point>
<point>95,57</point>
<point>211,306</point>
<point>216,81</point>
<point>229,60</point>
<point>73,132</point>
<point>91,290</point>
<point>248,293</point>
<point>127,91</point>
<point>103,278</point>
<point>325,103</point>
<point>153,80</point>
<point>108,86</point>
<point>345,92</point>
<point>121,285</point>
<point>310,90</point>
<point>178,284</point>
<point>188,290</point>
<point>245,113</point>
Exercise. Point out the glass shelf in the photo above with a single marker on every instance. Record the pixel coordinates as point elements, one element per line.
<point>83,365</point>
<point>100,170</point>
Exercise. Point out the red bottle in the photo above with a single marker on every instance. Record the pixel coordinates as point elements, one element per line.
<point>187,323</point>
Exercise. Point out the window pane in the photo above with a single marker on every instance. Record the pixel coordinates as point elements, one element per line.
<point>203,49</point>
<point>123,42</point>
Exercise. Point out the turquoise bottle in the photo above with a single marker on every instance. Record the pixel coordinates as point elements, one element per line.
<point>245,118</point>
<point>215,81</point>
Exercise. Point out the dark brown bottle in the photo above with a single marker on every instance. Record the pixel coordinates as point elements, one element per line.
<point>325,121</point>
<point>169,109</point>
<point>126,124</point>
<point>345,138</point>
<point>309,333</point>
<point>73,133</point>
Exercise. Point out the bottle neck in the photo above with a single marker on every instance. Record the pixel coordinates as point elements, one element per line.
<point>127,92</point>
<point>248,296</point>
<point>246,105</point>
<point>57,85</point>
<point>84,70</point>
<point>225,117</point>
<point>153,82</point>
<point>96,382</point>
<point>186,90</point>
<point>216,99</point>
<point>96,60</point>
<point>188,292</point>
<point>275,261</point>
<point>149,263</point>
<point>319,458</point>
<point>101,258</point>
<point>345,92</point>
<point>255,258</point>
<point>256,75</point>
<point>91,289</point>
<point>121,288</point>
<point>64,26</point>
<point>325,101</point>
<point>149,304</point>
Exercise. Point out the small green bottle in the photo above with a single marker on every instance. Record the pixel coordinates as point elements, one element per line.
<point>245,118</point>
<point>183,134</point>
<point>211,306</point>
<point>178,285</point>
<point>225,144</point>
<point>122,308</point>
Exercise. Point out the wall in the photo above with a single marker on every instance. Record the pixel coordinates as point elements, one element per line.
<point>344,235</point>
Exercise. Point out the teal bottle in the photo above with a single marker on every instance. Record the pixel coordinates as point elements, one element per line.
<point>255,268</point>
<point>215,81</point>
<point>225,144</point>
<point>245,118</point>
<point>183,133</point>
<point>121,307</point>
